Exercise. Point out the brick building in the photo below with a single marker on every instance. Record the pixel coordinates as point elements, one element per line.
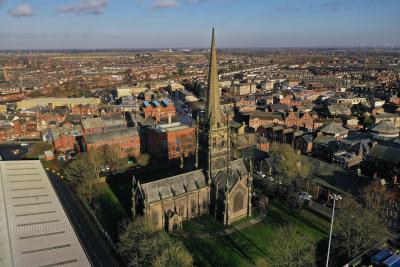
<point>163,110</point>
<point>299,120</point>
<point>64,138</point>
<point>170,141</point>
<point>125,141</point>
<point>84,110</point>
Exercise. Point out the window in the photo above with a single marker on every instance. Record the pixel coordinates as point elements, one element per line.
<point>238,201</point>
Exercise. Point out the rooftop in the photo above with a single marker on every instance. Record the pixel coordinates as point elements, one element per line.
<point>34,228</point>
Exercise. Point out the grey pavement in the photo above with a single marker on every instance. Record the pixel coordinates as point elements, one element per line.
<point>92,240</point>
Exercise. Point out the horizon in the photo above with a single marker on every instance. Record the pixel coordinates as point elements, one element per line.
<point>158,24</point>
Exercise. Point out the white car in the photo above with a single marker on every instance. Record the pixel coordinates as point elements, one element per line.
<point>261,174</point>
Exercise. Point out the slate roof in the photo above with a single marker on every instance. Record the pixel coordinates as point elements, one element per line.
<point>339,109</point>
<point>334,128</point>
<point>117,134</point>
<point>385,127</point>
<point>237,169</point>
<point>266,115</point>
<point>389,152</point>
<point>172,186</point>
<point>99,122</point>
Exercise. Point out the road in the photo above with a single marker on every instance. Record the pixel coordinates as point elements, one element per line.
<point>12,151</point>
<point>92,240</point>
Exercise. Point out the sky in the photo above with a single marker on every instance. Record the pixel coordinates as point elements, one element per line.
<point>104,24</point>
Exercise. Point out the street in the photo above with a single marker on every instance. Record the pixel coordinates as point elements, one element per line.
<point>92,240</point>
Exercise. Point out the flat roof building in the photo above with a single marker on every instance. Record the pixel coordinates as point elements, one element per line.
<point>57,101</point>
<point>34,228</point>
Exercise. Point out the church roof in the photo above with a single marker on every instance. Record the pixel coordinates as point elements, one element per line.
<point>175,185</point>
<point>237,169</point>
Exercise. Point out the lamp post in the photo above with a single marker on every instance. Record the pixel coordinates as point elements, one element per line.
<point>334,197</point>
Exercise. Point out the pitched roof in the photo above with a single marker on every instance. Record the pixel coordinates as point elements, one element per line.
<point>175,185</point>
<point>237,169</point>
<point>385,127</point>
<point>117,134</point>
<point>334,128</point>
<point>388,152</point>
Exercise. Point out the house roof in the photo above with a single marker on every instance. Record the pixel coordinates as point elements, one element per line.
<point>385,127</point>
<point>334,128</point>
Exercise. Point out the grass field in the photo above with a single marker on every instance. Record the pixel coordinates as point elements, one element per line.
<point>244,247</point>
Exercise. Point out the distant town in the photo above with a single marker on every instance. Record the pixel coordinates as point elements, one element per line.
<point>201,157</point>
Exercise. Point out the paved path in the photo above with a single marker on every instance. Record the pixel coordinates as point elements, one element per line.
<point>91,239</point>
<point>233,229</point>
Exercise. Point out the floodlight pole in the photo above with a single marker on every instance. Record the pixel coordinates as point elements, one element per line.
<point>334,197</point>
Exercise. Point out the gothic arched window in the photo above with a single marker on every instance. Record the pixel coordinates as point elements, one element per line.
<point>238,201</point>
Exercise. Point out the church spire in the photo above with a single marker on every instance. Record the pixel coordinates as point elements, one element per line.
<point>213,107</point>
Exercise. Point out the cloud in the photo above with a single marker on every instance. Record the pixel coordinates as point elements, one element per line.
<point>331,6</point>
<point>165,3</point>
<point>85,7</point>
<point>288,9</point>
<point>23,10</point>
<point>2,2</point>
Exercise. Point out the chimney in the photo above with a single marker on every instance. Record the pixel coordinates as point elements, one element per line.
<point>169,118</point>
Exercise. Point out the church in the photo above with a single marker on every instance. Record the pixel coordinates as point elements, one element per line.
<point>219,186</point>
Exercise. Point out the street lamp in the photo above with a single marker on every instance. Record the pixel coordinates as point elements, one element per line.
<point>334,197</point>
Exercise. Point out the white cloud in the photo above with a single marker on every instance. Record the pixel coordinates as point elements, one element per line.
<point>165,3</point>
<point>86,7</point>
<point>23,10</point>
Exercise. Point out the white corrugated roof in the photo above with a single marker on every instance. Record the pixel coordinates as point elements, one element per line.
<point>34,228</point>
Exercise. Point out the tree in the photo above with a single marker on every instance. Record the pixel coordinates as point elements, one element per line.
<point>292,248</point>
<point>175,255</point>
<point>38,148</point>
<point>376,198</point>
<point>262,262</point>
<point>289,166</point>
<point>181,72</point>
<point>143,160</point>
<point>80,173</point>
<point>141,245</point>
<point>355,230</point>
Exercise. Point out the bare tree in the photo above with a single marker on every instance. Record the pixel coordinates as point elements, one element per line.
<point>292,248</point>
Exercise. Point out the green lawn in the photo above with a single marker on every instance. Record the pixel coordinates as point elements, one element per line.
<point>244,247</point>
<point>108,209</point>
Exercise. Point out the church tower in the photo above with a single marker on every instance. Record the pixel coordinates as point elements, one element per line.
<point>214,150</point>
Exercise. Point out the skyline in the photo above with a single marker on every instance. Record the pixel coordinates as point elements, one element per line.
<point>152,24</point>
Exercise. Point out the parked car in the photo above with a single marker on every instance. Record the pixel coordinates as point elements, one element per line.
<point>261,174</point>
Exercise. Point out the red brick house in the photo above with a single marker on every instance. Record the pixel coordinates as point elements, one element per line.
<point>259,118</point>
<point>64,138</point>
<point>170,141</point>
<point>84,110</point>
<point>125,141</point>
<point>300,120</point>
